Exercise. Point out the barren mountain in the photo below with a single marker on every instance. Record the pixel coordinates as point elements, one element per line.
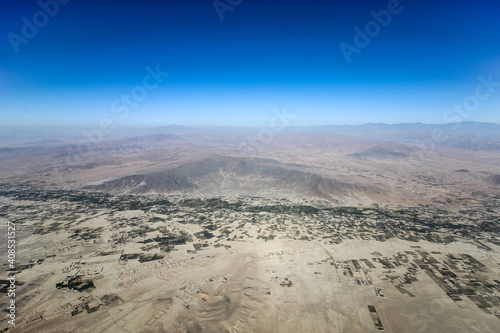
<point>223,175</point>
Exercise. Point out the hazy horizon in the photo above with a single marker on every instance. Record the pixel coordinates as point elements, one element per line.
<point>89,126</point>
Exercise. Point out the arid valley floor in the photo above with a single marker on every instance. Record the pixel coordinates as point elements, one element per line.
<point>200,233</point>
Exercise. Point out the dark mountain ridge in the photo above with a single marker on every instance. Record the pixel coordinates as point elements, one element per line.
<point>224,175</point>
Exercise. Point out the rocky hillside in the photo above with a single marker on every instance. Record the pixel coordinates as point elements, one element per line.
<point>222,175</point>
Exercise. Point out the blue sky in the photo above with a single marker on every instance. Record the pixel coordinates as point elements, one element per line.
<point>263,55</point>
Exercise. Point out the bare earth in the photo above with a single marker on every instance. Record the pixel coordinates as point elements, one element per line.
<point>309,234</point>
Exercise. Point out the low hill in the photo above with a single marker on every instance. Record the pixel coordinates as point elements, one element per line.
<point>223,175</point>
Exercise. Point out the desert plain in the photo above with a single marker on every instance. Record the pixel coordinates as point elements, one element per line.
<point>208,232</point>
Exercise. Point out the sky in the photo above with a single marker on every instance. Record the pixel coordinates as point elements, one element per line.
<point>237,62</point>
